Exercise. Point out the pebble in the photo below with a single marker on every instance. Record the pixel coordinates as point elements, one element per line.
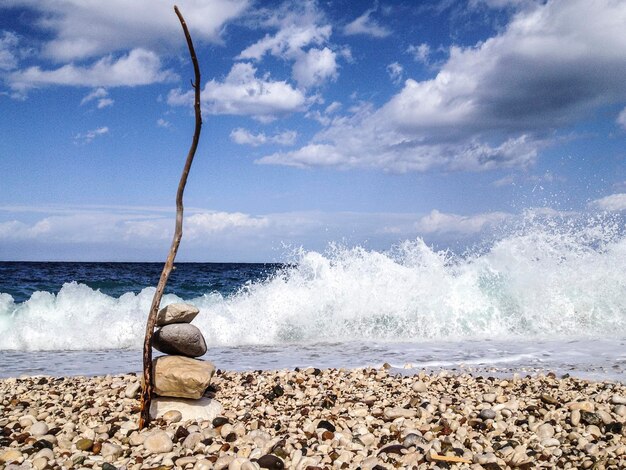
<point>544,431</point>
<point>158,442</point>
<point>172,416</point>
<point>318,419</point>
<point>487,413</point>
<point>38,429</point>
<point>132,390</point>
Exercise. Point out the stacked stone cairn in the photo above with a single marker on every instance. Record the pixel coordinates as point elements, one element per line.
<point>180,380</point>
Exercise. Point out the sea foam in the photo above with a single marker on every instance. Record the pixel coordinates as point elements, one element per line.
<point>541,280</point>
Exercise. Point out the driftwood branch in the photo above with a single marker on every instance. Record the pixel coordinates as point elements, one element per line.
<point>147,390</point>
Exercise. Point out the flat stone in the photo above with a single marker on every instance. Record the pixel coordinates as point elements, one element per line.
<point>176,313</point>
<point>487,413</point>
<point>200,410</point>
<point>393,413</point>
<point>182,377</point>
<point>179,338</point>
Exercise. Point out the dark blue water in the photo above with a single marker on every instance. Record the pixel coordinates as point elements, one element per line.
<point>188,280</point>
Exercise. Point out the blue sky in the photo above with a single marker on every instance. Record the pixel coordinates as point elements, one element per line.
<point>359,122</point>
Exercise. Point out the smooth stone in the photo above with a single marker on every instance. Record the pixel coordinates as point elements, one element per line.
<point>10,455</point>
<point>550,442</point>
<point>192,440</point>
<point>132,390</point>
<point>112,450</point>
<point>84,444</point>
<point>182,377</point>
<point>204,409</point>
<point>172,416</point>
<point>158,442</point>
<point>487,413</point>
<point>545,431</point>
<point>179,338</point>
<point>270,461</point>
<point>40,463</point>
<point>618,400</point>
<point>582,406</point>
<point>38,429</point>
<point>419,386</point>
<point>574,417</point>
<point>176,313</point>
<point>393,413</point>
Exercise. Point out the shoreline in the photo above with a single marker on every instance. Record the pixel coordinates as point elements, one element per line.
<point>312,418</point>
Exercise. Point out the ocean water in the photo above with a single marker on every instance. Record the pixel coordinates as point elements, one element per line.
<point>543,295</point>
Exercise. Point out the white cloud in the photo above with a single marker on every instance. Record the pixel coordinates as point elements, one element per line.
<point>364,24</point>
<point>315,67</point>
<point>100,95</point>
<point>88,136</point>
<point>138,67</point>
<point>420,53</point>
<point>208,223</point>
<point>621,118</point>
<point>614,203</point>
<point>163,123</point>
<point>490,106</point>
<point>8,50</point>
<point>245,137</point>
<point>243,93</point>
<point>302,37</point>
<point>82,29</point>
<point>439,222</point>
<point>395,71</point>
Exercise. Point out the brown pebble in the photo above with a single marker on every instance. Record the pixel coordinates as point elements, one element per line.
<point>270,461</point>
<point>97,447</point>
<point>327,435</point>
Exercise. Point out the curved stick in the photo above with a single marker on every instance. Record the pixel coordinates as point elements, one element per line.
<point>147,389</point>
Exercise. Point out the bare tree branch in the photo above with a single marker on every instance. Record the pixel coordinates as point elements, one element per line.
<point>147,389</point>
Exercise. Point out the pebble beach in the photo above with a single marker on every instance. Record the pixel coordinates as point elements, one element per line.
<point>326,419</point>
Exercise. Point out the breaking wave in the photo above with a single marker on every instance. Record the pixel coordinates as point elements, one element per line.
<point>545,279</point>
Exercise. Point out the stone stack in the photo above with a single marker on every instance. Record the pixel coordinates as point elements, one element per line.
<point>180,379</point>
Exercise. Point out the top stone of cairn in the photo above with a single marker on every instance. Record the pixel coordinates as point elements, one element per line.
<point>176,313</point>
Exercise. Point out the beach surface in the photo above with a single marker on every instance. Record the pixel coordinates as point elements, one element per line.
<point>312,418</point>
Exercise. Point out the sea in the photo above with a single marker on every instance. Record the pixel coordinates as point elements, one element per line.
<point>546,296</point>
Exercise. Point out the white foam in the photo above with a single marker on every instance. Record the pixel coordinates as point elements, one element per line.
<point>554,282</point>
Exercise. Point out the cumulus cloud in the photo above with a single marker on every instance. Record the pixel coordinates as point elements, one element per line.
<point>302,37</point>
<point>315,67</point>
<point>88,136</point>
<point>138,67</point>
<point>81,29</point>
<point>439,222</point>
<point>366,25</point>
<point>243,93</point>
<point>613,203</point>
<point>245,137</point>
<point>492,105</point>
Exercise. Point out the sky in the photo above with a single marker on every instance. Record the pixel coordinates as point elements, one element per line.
<point>355,122</point>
